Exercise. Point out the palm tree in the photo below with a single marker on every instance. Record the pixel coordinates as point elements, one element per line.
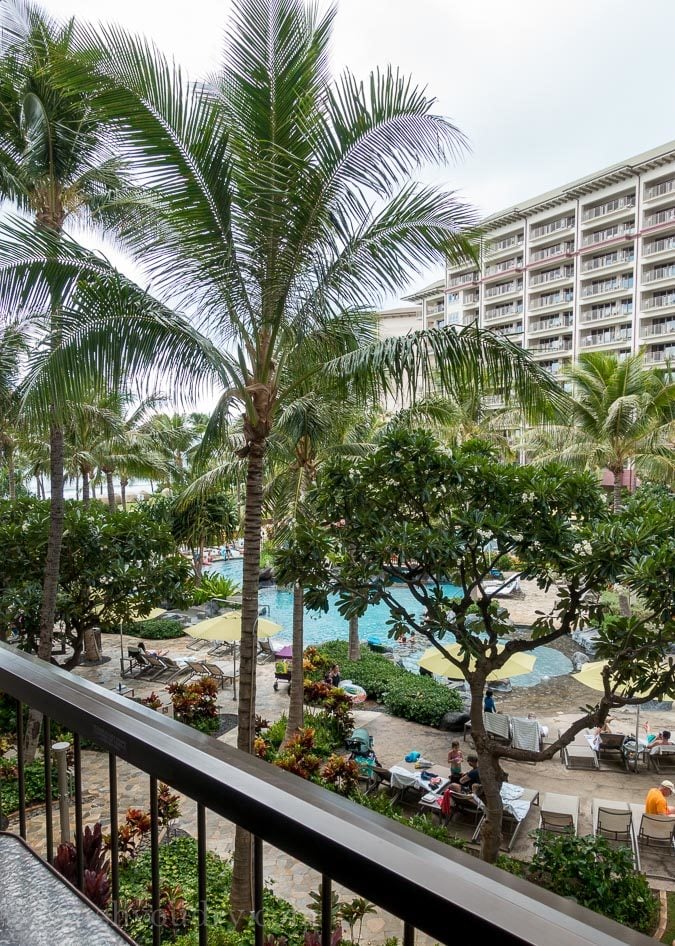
<point>281,209</point>
<point>52,166</point>
<point>13,345</point>
<point>621,413</point>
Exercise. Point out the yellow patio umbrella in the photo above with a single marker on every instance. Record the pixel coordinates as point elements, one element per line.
<point>591,676</point>
<point>434,661</point>
<point>227,627</point>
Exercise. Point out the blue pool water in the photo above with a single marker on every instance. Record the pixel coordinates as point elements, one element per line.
<point>320,627</point>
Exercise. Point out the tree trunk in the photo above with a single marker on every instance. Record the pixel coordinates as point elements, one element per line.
<point>123,492</point>
<point>241,894</point>
<point>11,473</point>
<point>85,488</point>
<point>198,564</point>
<point>41,488</point>
<point>354,646</point>
<point>111,490</point>
<point>618,484</point>
<point>296,704</point>
<point>91,651</point>
<point>51,575</point>
<point>491,831</point>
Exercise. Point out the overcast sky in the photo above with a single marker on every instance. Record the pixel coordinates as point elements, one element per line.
<point>545,90</point>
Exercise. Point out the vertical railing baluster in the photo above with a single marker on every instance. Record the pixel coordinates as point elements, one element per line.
<point>114,838</point>
<point>201,874</point>
<point>326,910</point>
<point>258,884</point>
<point>79,836</point>
<point>21,765</point>
<point>408,934</point>
<point>154,860</point>
<point>49,822</point>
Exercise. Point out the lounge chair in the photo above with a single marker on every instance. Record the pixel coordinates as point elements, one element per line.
<point>657,831</point>
<point>221,649</point>
<point>559,813</point>
<point>513,817</point>
<point>579,756</point>
<point>526,734</point>
<point>178,669</point>
<point>659,756</point>
<point>161,668</point>
<point>402,781</point>
<point>218,674</point>
<point>465,806</point>
<point>498,726</point>
<point>610,747</point>
<point>381,776</point>
<point>197,667</point>
<point>135,663</point>
<point>265,650</point>
<point>613,820</point>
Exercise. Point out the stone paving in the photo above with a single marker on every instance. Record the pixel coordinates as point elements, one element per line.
<point>556,702</point>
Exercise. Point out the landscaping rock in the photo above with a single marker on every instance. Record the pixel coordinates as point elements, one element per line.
<point>454,722</point>
<point>578,659</point>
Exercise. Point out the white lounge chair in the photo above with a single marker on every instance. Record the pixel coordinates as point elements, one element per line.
<point>657,831</point>
<point>526,734</point>
<point>659,756</point>
<point>613,820</point>
<point>513,817</point>
<point>559,813</point>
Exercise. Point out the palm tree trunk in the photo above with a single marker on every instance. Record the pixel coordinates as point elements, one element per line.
<point>618,484</point>
<point>11,473</point>
<point>51,574</point>
<point>111,490</point>
<point>85,488</point>
<point>354,646</point>
<point>123,492</point>
<point>241,894</point>
<point>297,701</point>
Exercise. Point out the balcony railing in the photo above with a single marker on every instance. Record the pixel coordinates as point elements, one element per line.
<point>558,345</point>
<point>464,280</point>
<point>660,301</point>
<point>557,249</point>
<point>553,226</point>
<point>563,321</point>
<point>609,207</point>
<point>550,275</point>
<point>660,272</point>
<point>503,311</point>
<point>598,313</point>
<point>609,259</point>
<point>606,338</point>
<point>607,285</point>
<point>609,233</point>
<point>509,330</point>
<point>429,886</point>
<point>662,216</point>
<point>658,190</point>
<point>503,289</point>
<point>555,298</point>
<point>658,357</point>
<point>500,245</point>
<point>662,328</point>
<point>494,269</point>
<point>659,246</point>
<point>437,309</point>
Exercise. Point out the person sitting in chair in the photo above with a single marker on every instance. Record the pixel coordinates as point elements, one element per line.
<point>656,802</point>
<point>152,653</point>
<point>469,779</point>
<point>663,739</point>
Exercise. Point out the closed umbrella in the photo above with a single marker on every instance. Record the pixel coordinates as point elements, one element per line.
<point>434,661</point>
<point>591,676</point>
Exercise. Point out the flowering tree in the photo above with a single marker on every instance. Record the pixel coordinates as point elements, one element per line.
<point>416,514</point>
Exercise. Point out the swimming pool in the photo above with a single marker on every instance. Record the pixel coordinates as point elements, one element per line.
<point>320,627</point>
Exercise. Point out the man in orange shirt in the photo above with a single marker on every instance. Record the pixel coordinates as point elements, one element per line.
<point>656,803</point>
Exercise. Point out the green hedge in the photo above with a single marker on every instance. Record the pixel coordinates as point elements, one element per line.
<point>159,629</point>
<point>178,869</point>
<point>35,785</point>
<point>405,694</point>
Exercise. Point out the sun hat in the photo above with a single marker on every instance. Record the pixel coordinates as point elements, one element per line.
<point>667,784</point>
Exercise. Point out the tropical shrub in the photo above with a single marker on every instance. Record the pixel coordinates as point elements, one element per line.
<point>196,704</point>
<point>35,784</point>
<point>214,585</point>
<point>96,866</point>
<point>421,699</point>
<point>158,629</point>
<point>299,756</point>
<point>342,774</point>
<point>597,876</point>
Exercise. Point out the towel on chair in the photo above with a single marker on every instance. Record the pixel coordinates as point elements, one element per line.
<point>496,724</point>
<point>525,734</point>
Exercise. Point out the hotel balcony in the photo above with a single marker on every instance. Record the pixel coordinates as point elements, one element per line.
<point>466,279</point>
<point>606,313</point>
<point>503,312</point>
<point>661,355</point>
<point>551,300</point>
<point>427,885</point>
<point>438,308</point>
<point>494,270</point>
<point>660,218</point>
<point>471,298</point>
<point>543,231</point>
<point>515,329</point>
<point>659,273</point>
<point>555,368</point>
<point>653,193</point>
<point>657,248</point>
<point>556,345</point>
<point>513,288</point>
<point>606,338</point>
<point>662,302</point>
<point>557,275</point>
<point>607,287</point>
<point>497,248</point>
<point>609,209</point>
<point>619,231</point>
<point>658,329</point>
<point>618,259</point>
<point>559,250</point>
<point>552,324</point>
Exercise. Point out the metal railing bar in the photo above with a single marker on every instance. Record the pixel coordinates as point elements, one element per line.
<point>201,875</point>
<point>49,820</point>
<point>79,828</point>
<point>154,861</point>
<point>258,888</point>
<point>114,837</point>
<point>21,766</point>
<point>326,910</point>
<point>415,878</point>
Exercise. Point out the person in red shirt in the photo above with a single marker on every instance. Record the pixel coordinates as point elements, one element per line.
<point>656,802</point>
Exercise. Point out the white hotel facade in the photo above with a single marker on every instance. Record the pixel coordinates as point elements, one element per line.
<point>586,267</point>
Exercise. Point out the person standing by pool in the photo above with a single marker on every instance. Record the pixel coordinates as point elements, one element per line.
<point>489,705</point>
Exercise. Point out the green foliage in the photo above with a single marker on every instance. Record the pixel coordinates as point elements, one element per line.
<point>214,585</point>
<point>112,563</point>
<point>158,629</point>
<point>196,704</point>
<point>35,784</point>
<point>381,803</point>
<point>596,875</point>
<point>405,694</point>
<point>178,868</point>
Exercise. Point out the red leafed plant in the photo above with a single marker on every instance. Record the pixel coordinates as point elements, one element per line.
<point>298,756</point>
<point>342,773</point>
<point>96,866</point>
<point>153,701</point>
